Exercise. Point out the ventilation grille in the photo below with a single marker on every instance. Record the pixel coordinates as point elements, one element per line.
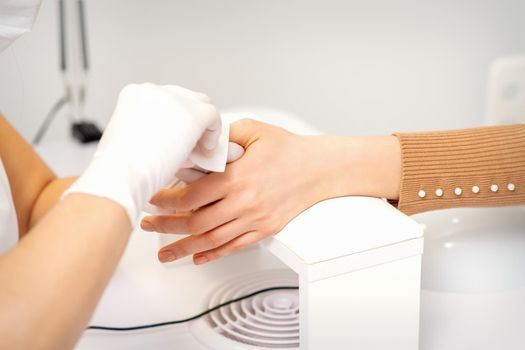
<point>267,320</point>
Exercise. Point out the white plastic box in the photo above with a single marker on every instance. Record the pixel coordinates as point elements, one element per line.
<point>359,263</point>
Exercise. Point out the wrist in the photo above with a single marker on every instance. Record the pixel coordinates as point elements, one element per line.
<point>360,166</point>
<point>330,159</point>
<point>109,179</point>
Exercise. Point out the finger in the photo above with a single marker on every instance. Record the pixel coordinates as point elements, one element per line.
<point>212,133</point>
<point>170,223</point>
<point>196,223</point>
<point>235,152</point>
<point>237,244</point>
<point>189,175</point>
<point>150,209</point>
<point>202,96</point>
<point>201,192</point>
<point>245,131</point>
<point>195,244</point>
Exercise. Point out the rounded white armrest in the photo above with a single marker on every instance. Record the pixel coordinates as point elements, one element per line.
<point>343,228</point>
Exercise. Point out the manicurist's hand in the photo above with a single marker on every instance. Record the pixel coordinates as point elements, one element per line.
<point>151,133</point>
<point>280,175</point>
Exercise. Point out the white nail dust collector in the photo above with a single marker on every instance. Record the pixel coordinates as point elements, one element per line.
<point>358,263</point>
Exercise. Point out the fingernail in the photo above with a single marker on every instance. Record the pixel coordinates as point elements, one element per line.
<point>146,225</point>
<point>201,259</point>
<point>166,256</point>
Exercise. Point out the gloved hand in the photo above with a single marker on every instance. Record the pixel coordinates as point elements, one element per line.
<point>152,132</point>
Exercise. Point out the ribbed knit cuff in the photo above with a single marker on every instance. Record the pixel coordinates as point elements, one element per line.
<point>481,167</point>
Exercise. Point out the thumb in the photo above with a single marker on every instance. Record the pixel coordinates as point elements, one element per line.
<point>235,151</point>
<point>245,131</point>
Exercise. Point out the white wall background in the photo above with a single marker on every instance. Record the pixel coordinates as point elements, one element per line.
<point>349,67</point>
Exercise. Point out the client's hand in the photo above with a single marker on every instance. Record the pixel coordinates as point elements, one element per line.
<point>280,175</point>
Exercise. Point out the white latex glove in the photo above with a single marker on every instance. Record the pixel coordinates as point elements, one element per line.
<point>152,132</point>
<point>16,18</point>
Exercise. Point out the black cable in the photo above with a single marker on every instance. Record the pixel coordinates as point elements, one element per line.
<point>160,324</point>
<point>49,118</point>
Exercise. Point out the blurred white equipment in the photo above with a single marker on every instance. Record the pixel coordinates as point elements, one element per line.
<point>506,91</point>
<point>473,285</point>
<point>356,261</point>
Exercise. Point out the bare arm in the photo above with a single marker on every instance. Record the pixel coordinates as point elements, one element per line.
<point>35,188</point>
<point>49,196</point>
<point>63,279</point>
<point>48,291</point>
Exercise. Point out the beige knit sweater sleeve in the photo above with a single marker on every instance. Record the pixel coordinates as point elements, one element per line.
<point>481,167</point>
